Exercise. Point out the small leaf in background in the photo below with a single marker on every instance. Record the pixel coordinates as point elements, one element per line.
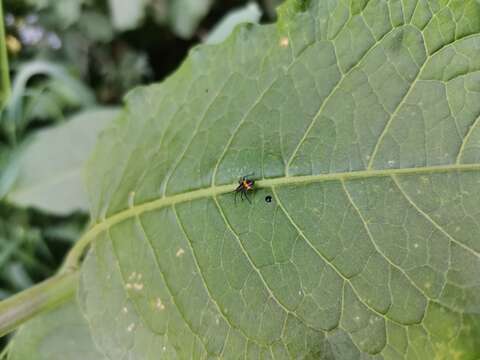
<point>96,26</point>
<point>66,91</point>
<point>127,14</point>
<point>61,334</point>
<point>69,10</point>
<point>185,15</point>
<point>66,12</point>
<point>50,168</point>
<point>43,105</point>
<point>51,98</point>
<point>8,168</point>
<point>251,13</point>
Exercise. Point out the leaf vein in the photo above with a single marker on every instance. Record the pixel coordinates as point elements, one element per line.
<point>433,222</point>
<point>252,264</point>
<point>174,166</point>
<point>167,285</point>
<point>202,277</point>
<point>331,265</point>
<point>466,139</point>
<point>337,86</point>
<point>372,240</point>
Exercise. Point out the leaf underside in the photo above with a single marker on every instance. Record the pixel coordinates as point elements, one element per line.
<point>59,335</point>
<point>360,119</point>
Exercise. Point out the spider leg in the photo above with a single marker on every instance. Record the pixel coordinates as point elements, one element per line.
<point>236,193</point>
<point>246,195</point>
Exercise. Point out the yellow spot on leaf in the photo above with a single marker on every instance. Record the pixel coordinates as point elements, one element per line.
<point>159,305</point>
<point>180,252</point>
<point>284,42</point>
<point>138,286</point>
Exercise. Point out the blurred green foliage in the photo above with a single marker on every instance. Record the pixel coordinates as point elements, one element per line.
<point>30,243</point>
<point>56,186</point>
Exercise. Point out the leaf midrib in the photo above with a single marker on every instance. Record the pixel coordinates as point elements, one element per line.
<point>212,191</point>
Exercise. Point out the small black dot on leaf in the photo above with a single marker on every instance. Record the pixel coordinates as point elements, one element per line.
<point>268,199</point>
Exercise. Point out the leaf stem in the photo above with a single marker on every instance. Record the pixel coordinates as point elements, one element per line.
<point>72,261</point>
<point>44,296</point>
<point>4,72</point>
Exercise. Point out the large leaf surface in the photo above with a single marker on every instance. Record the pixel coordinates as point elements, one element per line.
<point>59,335</point>
<point>360,119</point>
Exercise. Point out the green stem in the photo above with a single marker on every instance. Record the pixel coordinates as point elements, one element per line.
<point>4,72</point>
<point>74,256</point>
<point>44,296</point>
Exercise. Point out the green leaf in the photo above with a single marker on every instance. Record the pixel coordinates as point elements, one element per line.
<point>61,334</point>
<point>127,14</point>
<point>4,70</point>
<point>185,15</point>
<point>67,91</point>
<point>66,12</point>
<point>360,119</point>
<point>8,168</point>
<point>50,169</point>
<point>96,26</point>
<point>249,13</point>
<point>128,337</point>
